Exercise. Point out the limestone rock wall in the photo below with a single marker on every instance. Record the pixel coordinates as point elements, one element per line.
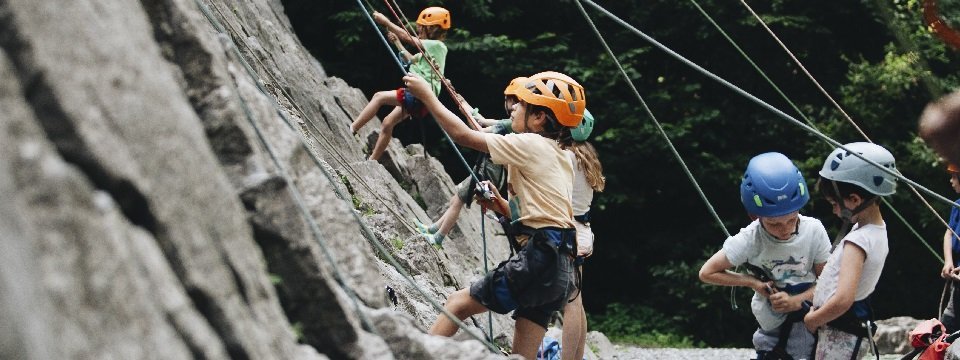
<point>178,180</point>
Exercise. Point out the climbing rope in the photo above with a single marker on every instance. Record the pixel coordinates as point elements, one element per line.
<point>369,235</point>
<point>433,65</point>
<point>663,134</point>
<point>660,129</point>
<point>403,71</point>
<point>803,115</point>
<point>763,104</point>
<point>293,190</point>
<point>844,113</point>
<point>453,93</point>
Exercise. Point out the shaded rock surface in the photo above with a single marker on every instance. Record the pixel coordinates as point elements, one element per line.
<point>179,181</point>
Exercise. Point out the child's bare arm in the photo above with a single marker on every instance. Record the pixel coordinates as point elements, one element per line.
<point>403,50</point>
<point>393,28</point>
<point>458,131</point>
<point>851,267</point>
<point>947,255</point>
<point>716,271</point>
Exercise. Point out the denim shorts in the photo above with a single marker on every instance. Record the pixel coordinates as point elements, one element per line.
<point>535,282</point>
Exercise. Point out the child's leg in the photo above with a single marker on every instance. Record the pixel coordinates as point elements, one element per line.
<point>381,98</point>
<point>527,336</point>
<point>386,132</point>
<point>450,216</point>
<point>574,330</point>
<point>461,305</point>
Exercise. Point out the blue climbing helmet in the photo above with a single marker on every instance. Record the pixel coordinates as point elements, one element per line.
<point>582,131</point>
<point>772,186</point>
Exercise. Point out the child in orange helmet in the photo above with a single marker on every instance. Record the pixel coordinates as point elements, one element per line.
<point>432,26</point>
<point>538,279</point>
<point>951,254</point>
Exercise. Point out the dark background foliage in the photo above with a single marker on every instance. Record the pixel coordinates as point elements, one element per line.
<point>653,230</point>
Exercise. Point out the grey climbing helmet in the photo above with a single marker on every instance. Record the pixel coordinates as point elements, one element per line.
<point>846,167</point>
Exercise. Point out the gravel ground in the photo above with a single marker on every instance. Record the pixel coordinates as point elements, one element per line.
<point>625,352</point>
<point>629,352</point>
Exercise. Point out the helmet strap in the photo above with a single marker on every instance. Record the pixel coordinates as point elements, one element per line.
<point>847,214</point>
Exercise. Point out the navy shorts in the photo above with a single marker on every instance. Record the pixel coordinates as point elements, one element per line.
<point>535,282</point>
<point>411,104</point>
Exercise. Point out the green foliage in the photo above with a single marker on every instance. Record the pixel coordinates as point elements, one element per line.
<point>275,279</point>
<point>397,243</point>
<point>297,328</point>
<point>419,199</point>
<point>640,325</point>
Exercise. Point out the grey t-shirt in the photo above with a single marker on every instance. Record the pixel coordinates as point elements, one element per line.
<point>787,262</point>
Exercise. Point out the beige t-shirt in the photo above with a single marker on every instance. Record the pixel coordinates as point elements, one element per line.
<point>540,178</point>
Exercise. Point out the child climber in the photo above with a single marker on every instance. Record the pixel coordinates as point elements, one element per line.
<point>432,26</point>
<point>841,313</point>
<point>538,279</point>
<point>785,250</point>
<point>951,256</point>
<point>496,174</point>
<point>588,177</point>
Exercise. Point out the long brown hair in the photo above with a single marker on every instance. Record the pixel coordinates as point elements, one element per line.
<point>589,162</point>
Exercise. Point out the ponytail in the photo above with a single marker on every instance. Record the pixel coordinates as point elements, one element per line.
<point>589,162</point>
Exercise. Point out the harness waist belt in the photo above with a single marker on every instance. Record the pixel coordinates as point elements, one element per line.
<point>585,218</point>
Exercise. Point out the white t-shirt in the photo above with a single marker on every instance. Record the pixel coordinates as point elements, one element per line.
<point>582,192</point>
<point>788,262</point>
<point>581,199</point>
<point>873,240</point>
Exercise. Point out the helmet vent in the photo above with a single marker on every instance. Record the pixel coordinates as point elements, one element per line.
<point>877,180</point>
<point>835,164</point>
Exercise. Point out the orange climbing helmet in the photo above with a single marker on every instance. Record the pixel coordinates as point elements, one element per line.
<point>953,169</point>
<point>514,84</point>
<point>558,92</point>
<point>435,15</point>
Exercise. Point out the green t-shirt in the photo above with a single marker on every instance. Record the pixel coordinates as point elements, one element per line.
<point>506,125</point>
<point>438,52</point>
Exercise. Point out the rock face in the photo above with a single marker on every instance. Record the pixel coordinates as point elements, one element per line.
<point>178,180</point>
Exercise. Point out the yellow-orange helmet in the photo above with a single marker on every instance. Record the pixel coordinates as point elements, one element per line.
<point>435,15</point>
<point>514,84</point>
<point>557,92</point>
<point>953,169</point>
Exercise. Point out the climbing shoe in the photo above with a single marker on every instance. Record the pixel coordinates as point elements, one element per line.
<point>434,239</point>
<point>423,229</point>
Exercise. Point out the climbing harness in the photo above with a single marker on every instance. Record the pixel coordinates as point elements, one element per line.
<point>858,320</point>
<point>779,351</point>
